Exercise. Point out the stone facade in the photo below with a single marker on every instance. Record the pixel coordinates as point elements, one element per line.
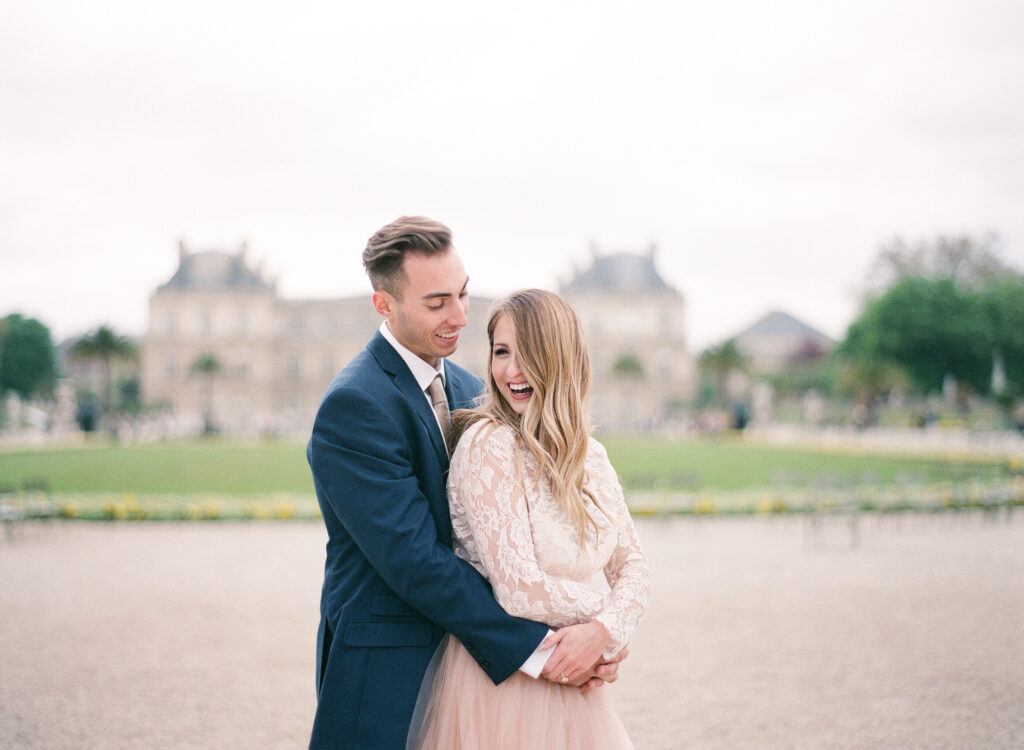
<point>276,355</point>
<point>634,323</point>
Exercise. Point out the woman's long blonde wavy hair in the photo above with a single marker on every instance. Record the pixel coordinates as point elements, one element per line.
<point>555,427</point>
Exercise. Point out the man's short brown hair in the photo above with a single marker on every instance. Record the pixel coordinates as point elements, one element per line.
<point>386,250</point>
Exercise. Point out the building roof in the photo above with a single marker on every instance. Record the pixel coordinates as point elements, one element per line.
<point>619,272</point>
<point>781,323</point>
<point>214,270</point>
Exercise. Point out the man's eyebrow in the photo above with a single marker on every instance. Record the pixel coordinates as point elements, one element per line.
<point>436,295</point>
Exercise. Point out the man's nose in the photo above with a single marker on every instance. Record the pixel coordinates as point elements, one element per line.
<point>458,317</point>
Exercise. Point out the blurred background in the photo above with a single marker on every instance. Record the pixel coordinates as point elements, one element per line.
<point>797,213</point>
<point>793,233</point>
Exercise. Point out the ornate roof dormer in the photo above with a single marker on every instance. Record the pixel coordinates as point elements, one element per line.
<point>618,273</point>
<point>215,270</point>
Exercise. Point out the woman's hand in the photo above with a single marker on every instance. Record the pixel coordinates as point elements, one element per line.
<point>579,647</point>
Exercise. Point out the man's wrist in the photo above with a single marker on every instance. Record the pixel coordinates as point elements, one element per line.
<point>534,665</point>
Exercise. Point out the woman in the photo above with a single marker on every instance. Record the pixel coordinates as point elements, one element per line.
<point>536,507</point>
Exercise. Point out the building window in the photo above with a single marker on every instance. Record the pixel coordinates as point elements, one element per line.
<point>170,368</point>
<point>293,366</point>
<point>665,364</point>
<point>329,366</point>
<point>666,323</point>
<point>242,324</point>
<point>205,322</point>
<point>170,324</point>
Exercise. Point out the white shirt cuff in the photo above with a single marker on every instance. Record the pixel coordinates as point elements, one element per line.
<point>537,660</point>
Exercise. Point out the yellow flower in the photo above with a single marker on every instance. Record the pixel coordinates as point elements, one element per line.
<point>705,505</point>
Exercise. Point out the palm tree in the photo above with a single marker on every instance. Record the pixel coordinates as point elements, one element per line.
<point>105,346</point>
<point>207,365</point>
<point>719,362</point>
<point>628,365</point>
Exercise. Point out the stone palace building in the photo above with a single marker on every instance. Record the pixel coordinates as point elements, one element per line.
<point>223,349</point>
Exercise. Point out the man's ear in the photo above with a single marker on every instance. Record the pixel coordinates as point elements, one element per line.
<point>384,303</point>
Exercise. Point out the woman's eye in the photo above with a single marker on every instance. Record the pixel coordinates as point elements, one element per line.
<point>499,352</point>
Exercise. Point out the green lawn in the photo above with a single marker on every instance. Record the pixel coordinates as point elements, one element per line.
<point>214,466</point>
<point>730,464</point>
<point>231,468</point>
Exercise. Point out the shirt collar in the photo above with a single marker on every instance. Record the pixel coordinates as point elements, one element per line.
<point>421,371</point>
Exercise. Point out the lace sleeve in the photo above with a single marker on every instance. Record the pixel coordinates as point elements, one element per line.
<point>627,571</point>
<point>489,511</point>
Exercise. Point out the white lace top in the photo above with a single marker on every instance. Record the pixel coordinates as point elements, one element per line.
<point>509,527</point>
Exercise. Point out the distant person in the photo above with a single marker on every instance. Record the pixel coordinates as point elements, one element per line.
<point>537,508</point>
<point>392,585</point>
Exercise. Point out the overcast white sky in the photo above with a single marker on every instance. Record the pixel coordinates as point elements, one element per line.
<point>766,148</point>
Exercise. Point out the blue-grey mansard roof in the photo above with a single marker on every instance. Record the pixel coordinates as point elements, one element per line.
<point>619,272</point>
<point>214,270</point>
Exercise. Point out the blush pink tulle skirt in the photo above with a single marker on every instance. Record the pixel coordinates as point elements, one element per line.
<point>466,711</point>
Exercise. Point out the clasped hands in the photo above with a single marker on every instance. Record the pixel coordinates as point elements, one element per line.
<point>577,660</point>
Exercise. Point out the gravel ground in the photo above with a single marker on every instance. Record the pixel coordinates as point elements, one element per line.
<point>764,633</point>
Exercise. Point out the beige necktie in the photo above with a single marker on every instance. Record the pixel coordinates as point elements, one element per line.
<point>440,403</point>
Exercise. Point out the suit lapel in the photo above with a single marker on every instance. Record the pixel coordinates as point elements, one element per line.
<point>391,362</point>
<point>460,394</point>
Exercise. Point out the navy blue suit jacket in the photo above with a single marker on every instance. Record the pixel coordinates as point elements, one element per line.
<point>392,585</point>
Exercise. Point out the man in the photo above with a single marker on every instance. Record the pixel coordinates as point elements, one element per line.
<point>392,585</point>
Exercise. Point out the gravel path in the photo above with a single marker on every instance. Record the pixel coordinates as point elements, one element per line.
<point>764,633</point>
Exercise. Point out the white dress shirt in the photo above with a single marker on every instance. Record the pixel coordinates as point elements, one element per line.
<point>424,375</point>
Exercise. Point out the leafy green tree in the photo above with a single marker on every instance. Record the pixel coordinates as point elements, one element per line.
<point>628,366</point>
<point>28,363</point>
<point>950,306</point>
<point>105,346</point>
<point>207,365</point>
<point>1002,301</point>
<point>928,328</point>
<point>719,362</point>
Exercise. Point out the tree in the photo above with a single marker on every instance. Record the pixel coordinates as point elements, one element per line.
<point>1002,302</point>
<point>968,261</point>
<point>207,366</point>
<point>105,346</point>
<point>28,364</point>
<point>719,362</point>
<point>928,328</point>
<point>628,365</point>
<point>950,308</point>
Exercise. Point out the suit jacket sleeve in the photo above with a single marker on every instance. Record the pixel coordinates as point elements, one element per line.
<point>363,467</point>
